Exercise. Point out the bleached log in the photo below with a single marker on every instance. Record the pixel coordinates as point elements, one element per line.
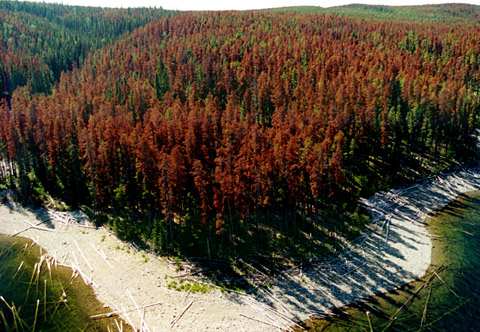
<point>102,255</point>
<point>118,312</point>
<point>85,258</point>
<point>39,228</point>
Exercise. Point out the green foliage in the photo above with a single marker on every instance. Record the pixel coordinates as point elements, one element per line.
<point>189,286</point>
<point>40,58</point>
<point>162,81</point>
<point>159,236</point>
<point>125,228</point>
<point>38,192</point>
<point>454,13</point>
<point>120,196</point>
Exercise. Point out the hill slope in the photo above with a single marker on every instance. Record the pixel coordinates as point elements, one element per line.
<point>445,13</point>
<point>38,41</point>
<point>248,132</point>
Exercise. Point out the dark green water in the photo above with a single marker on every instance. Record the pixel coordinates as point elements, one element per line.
<point>64,304</point>
<point>446,299</point>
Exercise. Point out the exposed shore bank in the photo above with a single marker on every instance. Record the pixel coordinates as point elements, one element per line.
<point>395,250</point>
<point>124,278</point>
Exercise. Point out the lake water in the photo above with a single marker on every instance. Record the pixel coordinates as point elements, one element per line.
<point>446,299</point>
<point>44,299</point>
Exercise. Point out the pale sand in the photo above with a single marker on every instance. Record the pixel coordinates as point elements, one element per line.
<point>373,265</point>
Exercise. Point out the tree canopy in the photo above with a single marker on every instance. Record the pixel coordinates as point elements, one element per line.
<point>233,128</point>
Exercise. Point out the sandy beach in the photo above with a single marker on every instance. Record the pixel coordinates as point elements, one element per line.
<point>394,250</point>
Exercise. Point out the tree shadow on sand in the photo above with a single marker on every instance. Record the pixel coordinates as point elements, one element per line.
<point>382,261</point>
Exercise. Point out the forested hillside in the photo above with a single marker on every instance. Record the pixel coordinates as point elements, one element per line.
<point>452,13</point>
<point>38,41</point>
<point>242,132</point>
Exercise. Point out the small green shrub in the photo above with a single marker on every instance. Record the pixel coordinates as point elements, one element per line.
<point>188,286</point>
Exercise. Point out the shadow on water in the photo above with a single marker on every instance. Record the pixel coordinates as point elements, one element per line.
<point>37,296</point>
<point>446,299</point>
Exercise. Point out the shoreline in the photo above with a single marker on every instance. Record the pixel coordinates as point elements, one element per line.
<point>125,279</point>
<point>394,250</point>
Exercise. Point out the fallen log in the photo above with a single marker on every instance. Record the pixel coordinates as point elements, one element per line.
<point>172,324</point>
<point>118,312</point>
<point>263,322</point>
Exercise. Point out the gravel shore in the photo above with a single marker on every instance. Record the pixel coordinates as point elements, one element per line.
<point>395,250</point>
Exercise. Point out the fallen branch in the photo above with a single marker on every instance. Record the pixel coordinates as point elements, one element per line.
<point>172,324</point>
<point>393,317</point>
<point>110,314</point>
<point>102,254</point>
<point>66,221</point>
<point>262,321</point>
<point>43,229</point>
<point>254,268</point>
<point>451,290</point>
<point>136,306</point>
<point>34,227</point>
<point>388,229</point>
<point>262,312</point>
<point>353,270</point>
<point>276,312</point>
<point>84,258</point>
<point>273,311</point>
<point>269,293</point>
<point>190,274</point>
<point>129,320</point>
<point>24,230</point>
<point>34,241</point>
<point>460,230</point>
<point>424,316</point>
<point>119,326</point>
<point>86,279</point>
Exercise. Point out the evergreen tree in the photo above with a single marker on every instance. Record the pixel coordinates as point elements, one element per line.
<point>162,80</point>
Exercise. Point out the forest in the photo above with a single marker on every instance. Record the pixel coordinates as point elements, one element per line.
<point>39,41</point>
<point>218,134</point>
